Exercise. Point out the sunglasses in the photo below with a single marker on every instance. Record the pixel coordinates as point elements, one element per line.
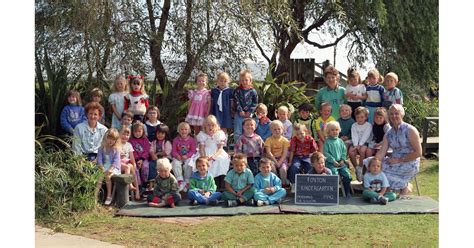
<point>136,83</point>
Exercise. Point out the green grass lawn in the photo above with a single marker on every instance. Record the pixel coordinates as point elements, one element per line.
<point>359,230</point>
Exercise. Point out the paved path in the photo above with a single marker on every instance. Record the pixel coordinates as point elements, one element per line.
<point>45,237</point>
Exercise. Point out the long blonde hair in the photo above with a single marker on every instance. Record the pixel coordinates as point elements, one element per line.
<point>111,134</point>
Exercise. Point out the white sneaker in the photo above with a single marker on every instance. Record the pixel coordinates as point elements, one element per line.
<point>292,186</point>
<point>259,203</point>
<point>358,171</point>
<point>108,201</point>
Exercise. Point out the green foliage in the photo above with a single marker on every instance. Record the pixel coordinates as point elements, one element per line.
<point>274,94</point>
<point>410,41</point>
<point>418,106</point>
<point>64,184</point>
<point>44,141</point>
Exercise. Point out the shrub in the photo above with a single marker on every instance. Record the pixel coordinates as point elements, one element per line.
<point>290,94</point>
<point>418,106</point>
<point>64,184</point>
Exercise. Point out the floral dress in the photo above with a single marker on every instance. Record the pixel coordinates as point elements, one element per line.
<point>400,174</point>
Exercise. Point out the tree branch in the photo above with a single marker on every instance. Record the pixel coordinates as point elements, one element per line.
<point>254,38</point>
<point>317,24</point>
<point>327,45</point>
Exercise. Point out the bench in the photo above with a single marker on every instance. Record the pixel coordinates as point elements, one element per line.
<point>429,142</point>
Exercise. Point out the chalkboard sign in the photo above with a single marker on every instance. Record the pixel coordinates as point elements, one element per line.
<point>317,189</point>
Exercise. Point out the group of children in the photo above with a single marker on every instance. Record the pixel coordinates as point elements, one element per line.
<point>138,143</point>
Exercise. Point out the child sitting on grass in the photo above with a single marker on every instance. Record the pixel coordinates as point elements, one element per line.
<point>202,188</point>
<point>166,191</point>
<point>376,184</point>
<point>268,185</point>
<point>318,161</point>
<point>239,183</point>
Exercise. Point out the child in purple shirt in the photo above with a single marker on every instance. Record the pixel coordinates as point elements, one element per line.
<point>141,146</point>
<point>250,144</point>
<point>183,148</point>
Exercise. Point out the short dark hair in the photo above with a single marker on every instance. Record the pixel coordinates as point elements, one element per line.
<point>305,107</point>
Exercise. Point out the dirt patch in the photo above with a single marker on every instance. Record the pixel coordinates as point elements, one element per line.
<point>186,220</point>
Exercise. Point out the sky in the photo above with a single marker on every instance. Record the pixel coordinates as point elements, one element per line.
<point>306,51</point>
<point>17,147</point>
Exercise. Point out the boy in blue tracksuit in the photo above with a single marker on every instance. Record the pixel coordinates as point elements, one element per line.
<point>268,185</point>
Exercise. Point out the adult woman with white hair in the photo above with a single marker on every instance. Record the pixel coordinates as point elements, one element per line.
<point>404,162</point>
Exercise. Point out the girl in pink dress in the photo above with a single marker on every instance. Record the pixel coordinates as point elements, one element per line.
<point>199,103</point>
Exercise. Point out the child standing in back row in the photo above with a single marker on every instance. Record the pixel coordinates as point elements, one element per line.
<point>355,90</point>
<point>137,100</point>
<point>246,100</point>
<point>374,93</point>
<point>392,94</point>
<point>333,93</point>
<point>222,101</point>
<point>199,103</point>
<point>73,113</point>
<point>117,100</point>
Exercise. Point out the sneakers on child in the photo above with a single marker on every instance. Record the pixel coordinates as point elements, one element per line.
<point>374,200</point>
<point>108,201</point>
<point>213,202</point>
<point>259,203</point>
<point>358,171</point>
<point>194,203</point>
<point>292,186</point>
<point>383,200</point>
<point>231,203</point>
<point>250,202</point>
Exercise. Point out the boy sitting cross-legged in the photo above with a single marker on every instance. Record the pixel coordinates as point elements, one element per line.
<point>239,183</point>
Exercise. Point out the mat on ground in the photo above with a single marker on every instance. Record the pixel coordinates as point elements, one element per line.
<point>354,205</point>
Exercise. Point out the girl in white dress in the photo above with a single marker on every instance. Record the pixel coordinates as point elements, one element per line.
<point>211,142</point>
<point>116,100</point>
